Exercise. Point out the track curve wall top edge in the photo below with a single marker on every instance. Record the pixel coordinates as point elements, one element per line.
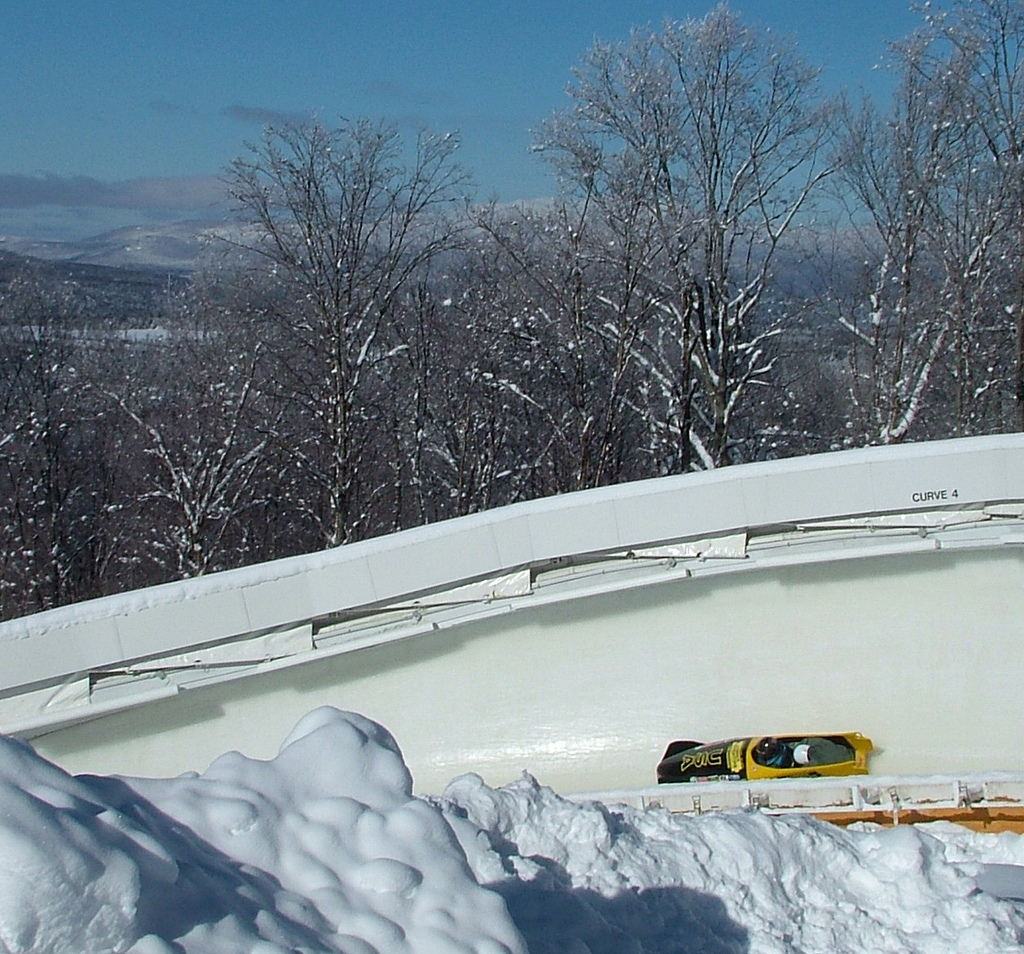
<point>948,475</point>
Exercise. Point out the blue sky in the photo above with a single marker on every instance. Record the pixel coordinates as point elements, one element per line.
<point>117,111</point>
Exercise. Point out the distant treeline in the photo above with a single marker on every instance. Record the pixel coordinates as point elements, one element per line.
<point>737,268</point>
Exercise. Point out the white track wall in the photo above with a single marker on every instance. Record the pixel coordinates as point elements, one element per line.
<point>922,650</point>
<point>585,695</point>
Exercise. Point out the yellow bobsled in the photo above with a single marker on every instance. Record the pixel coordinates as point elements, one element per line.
<point>763,757</point>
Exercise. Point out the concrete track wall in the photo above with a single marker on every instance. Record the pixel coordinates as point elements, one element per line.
<point>924,654</point>
<point>879,590</point>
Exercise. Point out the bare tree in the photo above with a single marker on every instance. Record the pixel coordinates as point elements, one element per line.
<point>717,126</point>
<point>933,191</point>
<point>52,485</point>
<point>345,224</point>
<point>980,45</point>
<point>893,165</point>
<point>573,332</point>
<point>201,423</point>
<point>455,447</point>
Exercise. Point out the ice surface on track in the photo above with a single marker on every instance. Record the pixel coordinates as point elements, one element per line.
<point>324,849</point>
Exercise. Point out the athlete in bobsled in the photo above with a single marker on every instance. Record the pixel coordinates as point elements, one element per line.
<point>775,753</point>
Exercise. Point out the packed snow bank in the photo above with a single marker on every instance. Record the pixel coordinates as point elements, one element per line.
<point>324,849</point>
<point>613,876</point>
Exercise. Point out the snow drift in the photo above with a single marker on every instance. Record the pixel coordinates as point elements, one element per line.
<point>325,849</point>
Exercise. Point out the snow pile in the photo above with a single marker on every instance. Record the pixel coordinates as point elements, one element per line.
<point>615,877</point>
<point>325,849</point>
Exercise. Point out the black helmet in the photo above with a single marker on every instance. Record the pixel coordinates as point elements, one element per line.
<point>767,749</point>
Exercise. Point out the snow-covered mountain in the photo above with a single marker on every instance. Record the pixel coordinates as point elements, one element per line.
<point>175,245</point>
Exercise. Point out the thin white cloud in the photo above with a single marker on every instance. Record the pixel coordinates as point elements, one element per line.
<point>264,117</point>
<point>396,94</point>
<point>166,108</point>
<point>186,192</point>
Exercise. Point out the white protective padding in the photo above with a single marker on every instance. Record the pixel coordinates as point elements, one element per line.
<point>563,650</point>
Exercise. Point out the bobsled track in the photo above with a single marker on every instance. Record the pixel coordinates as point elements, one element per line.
<point>877,590</point>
